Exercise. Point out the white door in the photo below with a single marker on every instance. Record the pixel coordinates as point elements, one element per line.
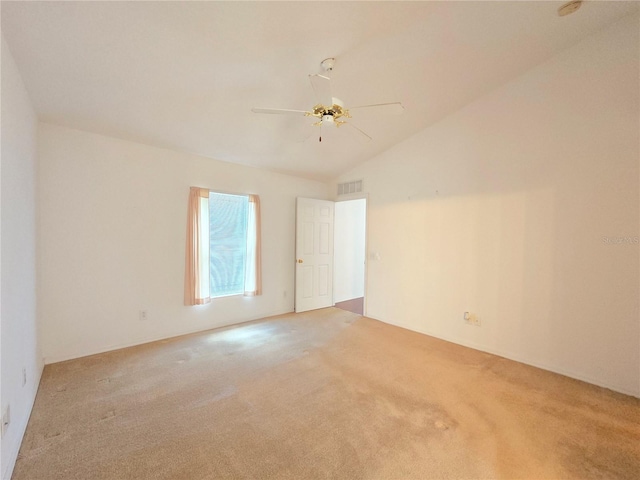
<point>314,254</point>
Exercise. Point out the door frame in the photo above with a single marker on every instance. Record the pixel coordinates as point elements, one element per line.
<point>343,198</point>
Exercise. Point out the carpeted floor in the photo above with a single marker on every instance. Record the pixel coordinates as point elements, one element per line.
<point>326,394</point>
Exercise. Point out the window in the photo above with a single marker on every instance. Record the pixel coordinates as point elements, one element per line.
<point>223,246</point>
<point>227,243</point>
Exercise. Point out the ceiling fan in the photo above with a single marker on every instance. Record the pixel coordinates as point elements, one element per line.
<point>330,111</point>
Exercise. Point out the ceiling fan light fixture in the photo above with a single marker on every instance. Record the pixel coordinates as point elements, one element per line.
<point>328,120</point>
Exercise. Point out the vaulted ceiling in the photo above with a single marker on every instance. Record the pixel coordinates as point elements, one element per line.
<point>185,75</point>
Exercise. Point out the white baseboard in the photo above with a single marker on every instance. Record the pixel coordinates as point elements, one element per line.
<point>9,464</point>
<point>517,358</point>
<point>85,353</point>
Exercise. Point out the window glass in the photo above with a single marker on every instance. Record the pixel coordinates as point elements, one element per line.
<point>228,243</point>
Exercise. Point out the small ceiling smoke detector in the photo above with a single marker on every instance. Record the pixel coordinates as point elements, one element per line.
<point>569,7</point>
<point>328,64</point>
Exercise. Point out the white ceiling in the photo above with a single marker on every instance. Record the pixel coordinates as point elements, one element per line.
<point>185,75</point>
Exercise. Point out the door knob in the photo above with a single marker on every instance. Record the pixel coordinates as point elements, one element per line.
<point>299,260</point>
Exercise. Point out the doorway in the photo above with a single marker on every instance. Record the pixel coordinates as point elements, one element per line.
<point>349,255</point>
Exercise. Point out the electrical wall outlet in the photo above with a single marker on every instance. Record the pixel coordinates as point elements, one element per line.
<point>24,376</point>
<point>6,419</point>
<point>471,319</point>
<point>144,315</point>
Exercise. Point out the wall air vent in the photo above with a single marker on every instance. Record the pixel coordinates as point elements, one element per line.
<point>350,187</point>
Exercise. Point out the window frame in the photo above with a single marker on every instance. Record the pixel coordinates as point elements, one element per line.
<point>196,287</point>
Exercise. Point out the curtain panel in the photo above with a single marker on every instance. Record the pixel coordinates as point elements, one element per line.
<point>196,288</point>
<point>253,274</point>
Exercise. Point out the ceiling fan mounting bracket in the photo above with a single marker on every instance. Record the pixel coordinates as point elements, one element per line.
<point>327,64</point>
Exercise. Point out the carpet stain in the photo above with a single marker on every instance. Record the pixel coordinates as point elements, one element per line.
<point>108,415</point>
<point>441,425</point>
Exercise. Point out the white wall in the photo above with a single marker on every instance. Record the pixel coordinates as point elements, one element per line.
<point>502,208</point>
<point>348,249</point>
<point>18,333</point>
<point>112,241</point>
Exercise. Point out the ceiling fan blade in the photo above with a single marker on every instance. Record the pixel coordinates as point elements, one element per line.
<point>362,136</point>
<point>394,108</point>
<point>279,111</point>
<point>322,88</point>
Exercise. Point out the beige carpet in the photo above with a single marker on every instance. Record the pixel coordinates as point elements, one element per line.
<point>328,394</point>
